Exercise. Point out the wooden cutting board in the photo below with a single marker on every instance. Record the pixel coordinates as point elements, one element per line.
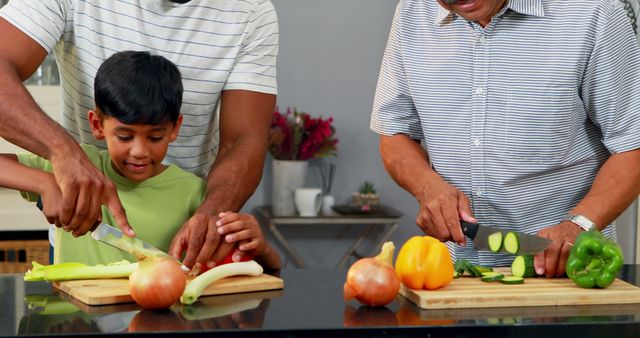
<point>114,291</point>
<point>470,292</point>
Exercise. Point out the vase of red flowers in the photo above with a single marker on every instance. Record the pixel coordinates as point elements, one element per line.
<point>296,137</point>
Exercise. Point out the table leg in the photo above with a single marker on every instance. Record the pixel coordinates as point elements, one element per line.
<point>297,260</point>
<point>352,249</point>
<point>384,238</point>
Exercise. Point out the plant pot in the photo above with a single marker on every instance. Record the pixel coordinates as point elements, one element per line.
<point>287,177</point>
<point>365,201</point>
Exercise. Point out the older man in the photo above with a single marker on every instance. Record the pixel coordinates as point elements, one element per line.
<point>528,115</point>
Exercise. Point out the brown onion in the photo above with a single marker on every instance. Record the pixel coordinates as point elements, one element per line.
<point>373,281</point>
<point>157,283</point>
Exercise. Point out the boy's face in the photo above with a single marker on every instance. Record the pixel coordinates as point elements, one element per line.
<point>136,150</point>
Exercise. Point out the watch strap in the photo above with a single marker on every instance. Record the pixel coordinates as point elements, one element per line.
<point>582,221</point>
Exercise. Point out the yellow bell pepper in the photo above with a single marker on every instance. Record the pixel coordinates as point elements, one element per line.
<point>424,263</point>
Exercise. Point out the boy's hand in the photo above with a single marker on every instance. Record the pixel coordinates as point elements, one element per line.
<point>51,202</point>
<point>243,229</point>
<point>198,238</point>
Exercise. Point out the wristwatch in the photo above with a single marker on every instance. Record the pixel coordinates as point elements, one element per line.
<point>581,221</point>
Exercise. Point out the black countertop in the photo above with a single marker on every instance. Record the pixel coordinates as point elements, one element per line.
<point>310,305</point>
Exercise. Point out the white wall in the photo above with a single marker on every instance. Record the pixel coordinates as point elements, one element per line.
<point>16,213</point>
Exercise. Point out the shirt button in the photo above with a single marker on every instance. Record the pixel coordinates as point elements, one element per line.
<point>482,39</point>
<point>479,91</point>
<point>479,193</point>
<point>476,141</point>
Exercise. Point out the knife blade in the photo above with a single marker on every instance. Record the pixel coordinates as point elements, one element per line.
<point>114,237</point>
<point>528,244</point>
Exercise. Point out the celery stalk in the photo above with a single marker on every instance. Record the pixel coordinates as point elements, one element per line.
<point>197,285</point>
<point>49,305</point>
<point>71,270</point>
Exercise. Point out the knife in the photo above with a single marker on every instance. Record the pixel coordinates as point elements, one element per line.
<point>528,244</point>
<point>114,237</point>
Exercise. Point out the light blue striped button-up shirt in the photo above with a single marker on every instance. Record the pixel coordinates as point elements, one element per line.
<point>519,115</point>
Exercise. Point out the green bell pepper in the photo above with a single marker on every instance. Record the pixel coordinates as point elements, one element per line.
<point>594,260</point>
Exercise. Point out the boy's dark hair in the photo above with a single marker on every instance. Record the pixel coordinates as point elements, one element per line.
<point>139,88</point>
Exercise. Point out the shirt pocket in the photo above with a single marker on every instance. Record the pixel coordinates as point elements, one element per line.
<point>540,122</point>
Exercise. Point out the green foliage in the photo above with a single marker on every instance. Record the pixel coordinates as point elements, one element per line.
<point>367,188</point>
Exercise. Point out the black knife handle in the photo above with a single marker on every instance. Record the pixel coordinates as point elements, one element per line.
<point>39,203</point>
<point>469,229</point>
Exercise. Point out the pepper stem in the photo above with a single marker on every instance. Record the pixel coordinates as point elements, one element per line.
<point>386,253</point>
<point>594,264</point>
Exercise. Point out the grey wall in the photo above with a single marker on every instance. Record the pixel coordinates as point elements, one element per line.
<point>330,54</point>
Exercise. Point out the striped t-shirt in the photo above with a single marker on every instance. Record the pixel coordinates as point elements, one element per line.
<point>519,115</point>
<point>217,45</point>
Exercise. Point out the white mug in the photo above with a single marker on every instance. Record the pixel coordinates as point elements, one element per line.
<point>308,201</point>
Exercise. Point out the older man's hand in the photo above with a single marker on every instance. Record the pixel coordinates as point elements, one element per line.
<point>552,261</point>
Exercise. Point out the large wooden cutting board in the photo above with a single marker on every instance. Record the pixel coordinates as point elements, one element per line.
<point>114,291</point>
<point>470,292</point>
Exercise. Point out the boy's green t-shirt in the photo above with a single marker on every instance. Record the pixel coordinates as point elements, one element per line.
<point>156,209</point>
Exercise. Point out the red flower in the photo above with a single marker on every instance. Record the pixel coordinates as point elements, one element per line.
<point>297,136</point>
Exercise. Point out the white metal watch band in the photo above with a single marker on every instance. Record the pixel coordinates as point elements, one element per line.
<point>581,221</point>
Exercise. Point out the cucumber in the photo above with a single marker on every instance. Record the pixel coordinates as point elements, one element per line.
<point>511,242</point>
<point>477,270</point>
<point>512,280</point>
<point>495,241</point>
<point>460,266</point>
<point>522,266</point>
<point>491,276</point>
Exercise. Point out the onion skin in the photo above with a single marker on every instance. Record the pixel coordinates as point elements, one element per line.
<point>157,283</point>
<point>373,281</point>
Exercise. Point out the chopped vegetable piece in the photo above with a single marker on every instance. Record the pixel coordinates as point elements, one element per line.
<point>512,280</point>
<point>511,242</point>
<point>495,241</point>
<point>461,266</point>
<point>491,276</point>
<point>194,289</point>
<point>71,270</point>
<point>477,270</point>
<point>522,266</point>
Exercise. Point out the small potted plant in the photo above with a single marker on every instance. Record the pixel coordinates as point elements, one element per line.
<point>366,198</point>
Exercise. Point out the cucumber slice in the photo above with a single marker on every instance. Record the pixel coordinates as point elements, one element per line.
<point>461,266</point>
<point>477,270</point>
<point>512,280</point>
<point>522,266</point>
<point>491,276</point>
<point>495,241</point>
<point>511,242</point>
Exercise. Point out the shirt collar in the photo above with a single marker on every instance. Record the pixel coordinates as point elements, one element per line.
<point>527,7</point>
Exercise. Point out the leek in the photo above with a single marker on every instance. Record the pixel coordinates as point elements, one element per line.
<point>194,288</point>
<point>73,270</point>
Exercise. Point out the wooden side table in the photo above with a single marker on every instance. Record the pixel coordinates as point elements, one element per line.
<point>384,216</point>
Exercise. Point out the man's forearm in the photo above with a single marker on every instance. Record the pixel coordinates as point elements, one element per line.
<point>234,176</point>
<point>616,185</point>
<point>24,123</point>
<point>407,163</point>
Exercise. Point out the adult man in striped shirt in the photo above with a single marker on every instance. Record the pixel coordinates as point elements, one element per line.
<point>226,52</point>
<point>527,111</point>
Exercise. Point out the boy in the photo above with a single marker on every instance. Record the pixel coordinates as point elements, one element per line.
<point>137,113</point>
